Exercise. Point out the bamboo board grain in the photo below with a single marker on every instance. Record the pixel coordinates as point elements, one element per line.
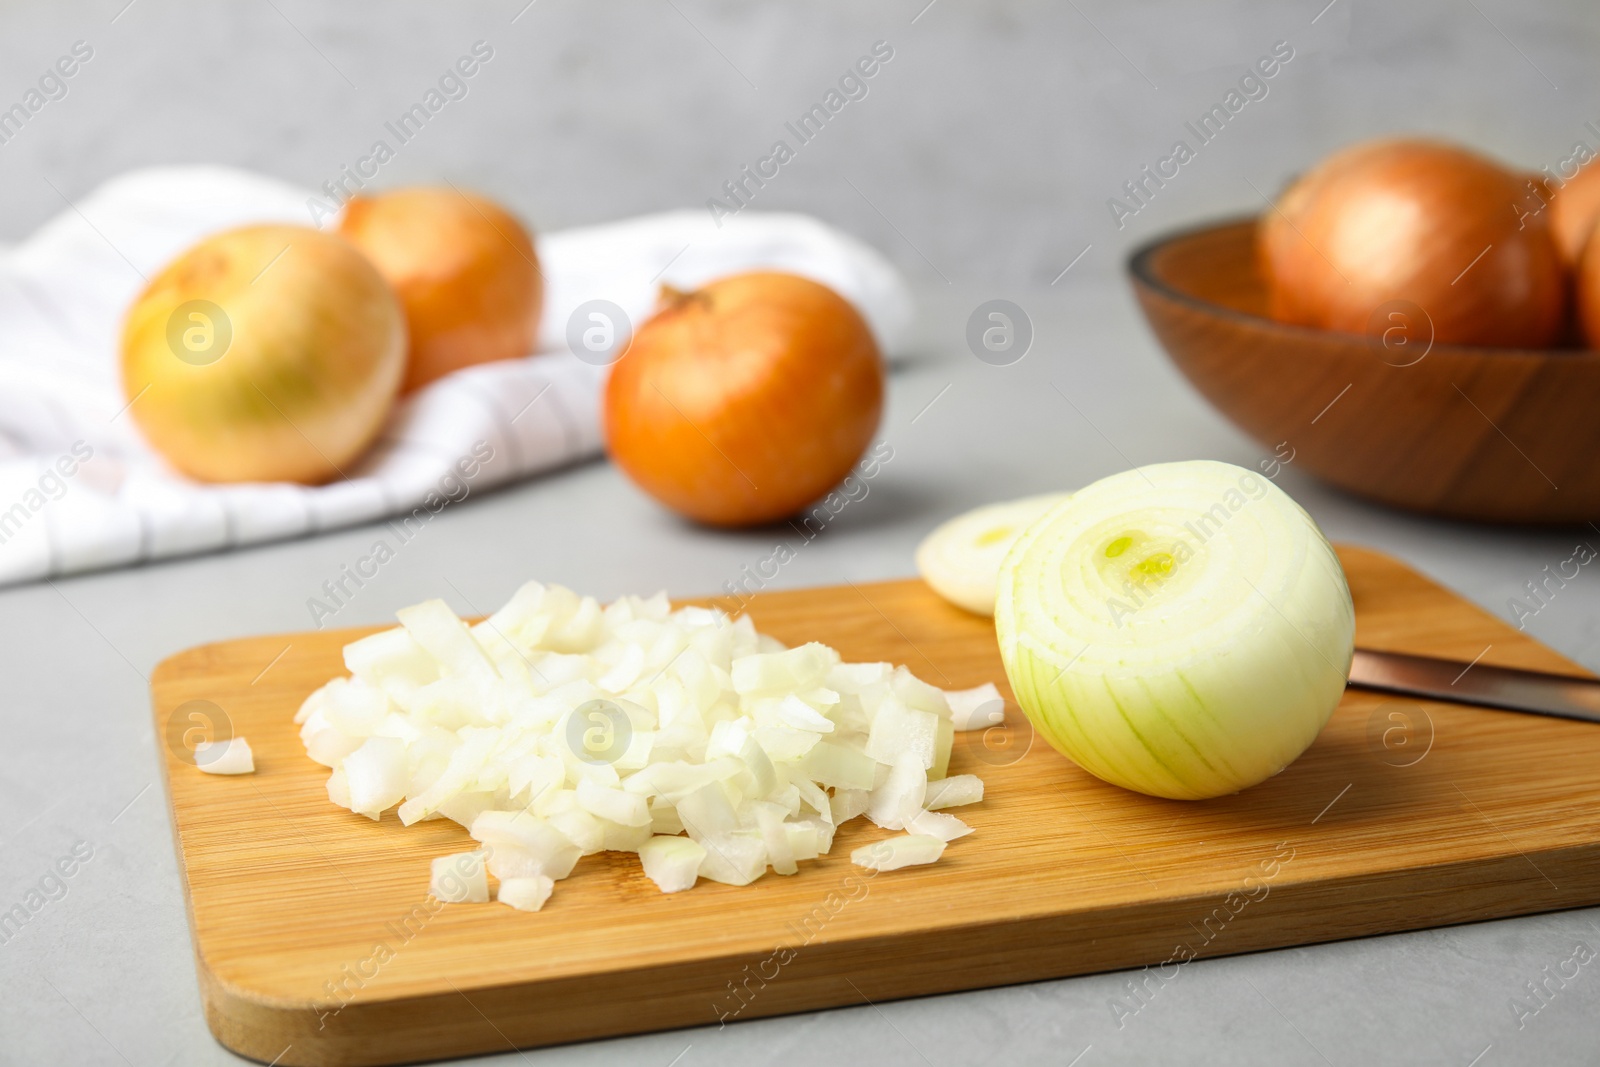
<point>1404,814</point>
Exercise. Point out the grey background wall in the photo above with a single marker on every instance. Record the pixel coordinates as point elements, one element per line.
<point>984,151</point>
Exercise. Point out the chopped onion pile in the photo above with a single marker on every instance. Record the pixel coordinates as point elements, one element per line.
<point>556,728</point>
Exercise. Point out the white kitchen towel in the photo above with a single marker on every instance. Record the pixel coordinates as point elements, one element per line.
<point>63,293</point>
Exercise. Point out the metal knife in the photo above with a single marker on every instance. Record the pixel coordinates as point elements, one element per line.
<point>1534,692</point>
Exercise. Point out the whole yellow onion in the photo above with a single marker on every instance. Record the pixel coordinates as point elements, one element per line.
<point>744,401</point>
<point>268,353</point>
<point>1415,222</point>
<point>465,270</point>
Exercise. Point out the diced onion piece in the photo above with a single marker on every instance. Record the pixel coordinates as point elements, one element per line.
<point>460,879</point>
<point>672,863</point>
<point>522,835</point>
<point>913,692</point>
<point>954,792</point>
<point>736,858</point>
<point>976,709</point>
<point>774,834</point>
<point>899,729</point>
<point>375,775</point>
<point>759,771</point>
<point>785,743</point>
<point>393,662</point>
<point>805,840</point>
<point>465,763</point>
<point>937,824</point>
<point>619,806</point>
<point>232,756</point>
<point>522,621</point>
<point>617,838</point>
<point>706,812</point>
<point>329,746</point>
<point>582,829</point>
<point>463,808</point>
<point>905,851</point>
<point>357,708</point>
<point>727,738</point>
<point>442,634</point>
<point>534,775</point>
<point>1182,629</point>
<point>664,819</point>
<point>814,797</point>
<point>626,671</point>
<point>901,795</point>
<point>824,830</point>
<point>961,558</point>
<point>849,803</point>
<point>944,740</point>
<point>839,765</point>
<point>773,672</point>
<point>507,861</point>
<point>797,714</point>
<point>525,894</point>
<point>856,677</point>
<point>338,788</point>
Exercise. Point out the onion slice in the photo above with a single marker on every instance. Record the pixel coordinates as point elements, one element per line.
<point>1182,630</point>
<point>961,558</point>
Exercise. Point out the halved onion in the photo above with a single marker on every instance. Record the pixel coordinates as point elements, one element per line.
<point>961,558</point>
<point>1182,630</point>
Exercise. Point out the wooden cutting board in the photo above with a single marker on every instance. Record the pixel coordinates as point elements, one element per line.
<point>315,943</point>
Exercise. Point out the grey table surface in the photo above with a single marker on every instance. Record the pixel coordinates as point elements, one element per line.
<point>105,973</point>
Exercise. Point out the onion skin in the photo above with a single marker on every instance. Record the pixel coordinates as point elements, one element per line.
<point>315,361</point>
<point>744,401</point>
<point>1195,678</point>
<point>466,272</point>
<point>1405,220</point>
<point>1574,208</point>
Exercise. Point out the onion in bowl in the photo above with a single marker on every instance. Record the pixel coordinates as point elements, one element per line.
<point>1430,225</point>
<point>1574,208</point>
<point>1586,291</point>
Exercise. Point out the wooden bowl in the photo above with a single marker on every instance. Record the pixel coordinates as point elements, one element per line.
<point>1495,434</point>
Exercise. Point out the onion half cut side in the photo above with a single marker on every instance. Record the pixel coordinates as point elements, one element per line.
<point>1183,630</point>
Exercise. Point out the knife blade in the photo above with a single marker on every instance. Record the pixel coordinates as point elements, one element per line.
<point>1506,688</point>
